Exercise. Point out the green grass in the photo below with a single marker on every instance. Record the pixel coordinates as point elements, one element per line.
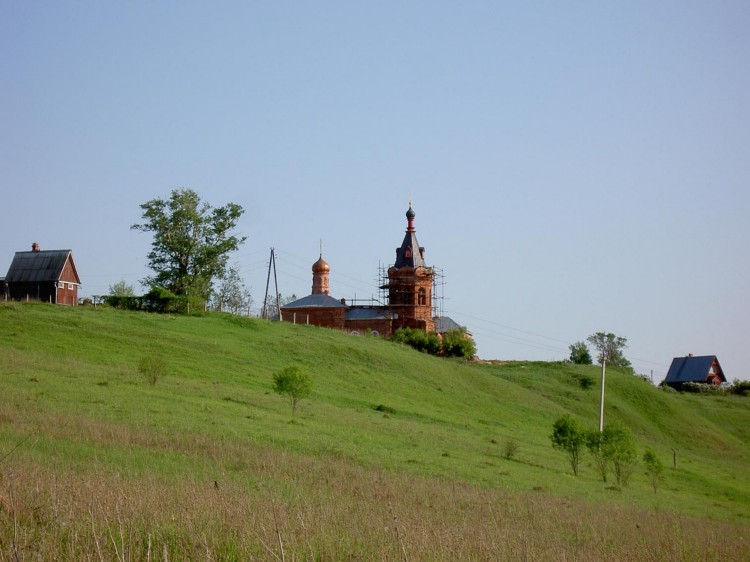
<point>71,381</point>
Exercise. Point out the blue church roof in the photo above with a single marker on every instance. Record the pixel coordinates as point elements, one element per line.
<point>315,301</point>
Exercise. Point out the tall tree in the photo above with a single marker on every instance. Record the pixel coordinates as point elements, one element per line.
<point>232,295</point>
<point>121,289</point>
<point>271,310</point>
<point>191,243</point>
<point>610,349</point>
<point>579,354</point>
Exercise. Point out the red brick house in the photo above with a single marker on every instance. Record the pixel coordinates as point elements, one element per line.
<point>43,275</point>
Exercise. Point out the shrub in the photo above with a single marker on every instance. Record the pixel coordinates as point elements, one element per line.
<point>455,343</point>
<point>385,409</point>
<point>510,448</point>
<point>152,367</point>
<point>620,449</point>
<point>654,468</point>
<point>702,388</point>
<point>568,436</point>
<point>293,382</point>
<point>585,382</point>
<point>614,447</point>
<point>595,444</point>
<point>429,342</point>
<point>159,299</point>
<point>740,388</point>
<point>458,343</point>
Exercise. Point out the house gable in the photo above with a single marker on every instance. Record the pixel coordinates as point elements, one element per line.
<point>48,276</point>
<point>702,369</point>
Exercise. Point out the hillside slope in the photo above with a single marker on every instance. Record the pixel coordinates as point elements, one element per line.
<point>73,397</point>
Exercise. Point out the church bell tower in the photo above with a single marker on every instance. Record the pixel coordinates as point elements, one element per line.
<point>410,283</point>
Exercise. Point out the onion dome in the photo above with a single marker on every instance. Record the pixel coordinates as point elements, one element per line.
<point>321,266</point>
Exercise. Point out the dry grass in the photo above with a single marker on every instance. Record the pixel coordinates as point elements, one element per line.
<point>251,503</point>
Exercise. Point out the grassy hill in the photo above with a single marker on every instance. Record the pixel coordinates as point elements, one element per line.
<point>395,455</point>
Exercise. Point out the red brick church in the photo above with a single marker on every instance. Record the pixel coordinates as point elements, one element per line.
<point>409,287</point>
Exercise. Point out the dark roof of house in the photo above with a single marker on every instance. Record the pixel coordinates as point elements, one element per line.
<point>446,324</point>
<point>35,267</point>
<point>315,301</point>
<point>692,369</point>
<point>368,313</point>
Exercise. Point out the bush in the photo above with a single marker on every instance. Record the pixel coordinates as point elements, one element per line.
<point>702,388</point>
<point>429,342</point>
<point>620,449</point>
<point>458,343</point>
<point>740,388</point>
<point>654,468</point>
<point>568,436</point>
<point>614,447</point>
<point>510,448</point>
<point>293,382</point>
<point>585,382</point>
<point>455,343</point>
<point>159,299</point>
<point>123,302</point>
<point>152,367</point>
<point>385,409</point>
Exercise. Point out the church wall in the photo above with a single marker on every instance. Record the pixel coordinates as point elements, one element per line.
<point>382,326</point>
<point>325,317</point>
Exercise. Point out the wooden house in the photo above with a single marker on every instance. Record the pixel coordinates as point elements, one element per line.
<point>703,369</point>
<point>43,275</point>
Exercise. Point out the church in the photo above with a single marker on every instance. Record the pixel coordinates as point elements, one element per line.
<point>409,287</point>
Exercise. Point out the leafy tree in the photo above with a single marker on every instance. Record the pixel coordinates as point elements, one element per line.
<point>293,382</point>
<point>232,295</point>
<point>654,468</point>
<point>610,349</point>
<point>619,448</point>
<point>568,436</point>
<point>595,443</point>
<point>613,447</point>
<point>121,289</point>
<point>271,310</point>
<point>458,343</point>
<point>579,354</point>
<point>191,241</point>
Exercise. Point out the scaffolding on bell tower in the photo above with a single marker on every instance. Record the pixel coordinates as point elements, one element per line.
<point>438,290</point>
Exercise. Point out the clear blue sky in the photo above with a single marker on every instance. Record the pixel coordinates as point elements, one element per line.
<point>574,166</point>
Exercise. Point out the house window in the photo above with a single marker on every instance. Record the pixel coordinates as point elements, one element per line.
<point>70,286</point>
<point>61,285</point>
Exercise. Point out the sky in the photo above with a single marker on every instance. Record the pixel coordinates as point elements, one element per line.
<point>575,167</point>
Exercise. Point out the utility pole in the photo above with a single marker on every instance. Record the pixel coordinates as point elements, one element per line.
<point>271,263</point>
<point>601,399</point>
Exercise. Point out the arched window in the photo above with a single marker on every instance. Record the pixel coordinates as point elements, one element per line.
<point>422,297</point>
